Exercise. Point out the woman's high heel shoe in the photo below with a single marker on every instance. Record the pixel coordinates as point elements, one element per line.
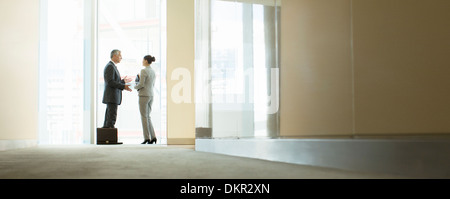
<point>153,141</point>
<point>146,142</point>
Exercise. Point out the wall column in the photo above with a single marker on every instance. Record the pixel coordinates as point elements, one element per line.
<point>180,72</point>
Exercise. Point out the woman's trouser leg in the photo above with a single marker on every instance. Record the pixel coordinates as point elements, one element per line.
<point>145,116</point>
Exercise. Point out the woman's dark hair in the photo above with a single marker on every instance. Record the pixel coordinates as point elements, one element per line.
<point>150,59</point>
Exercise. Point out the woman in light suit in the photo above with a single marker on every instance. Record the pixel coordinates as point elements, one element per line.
<point>146,82</point>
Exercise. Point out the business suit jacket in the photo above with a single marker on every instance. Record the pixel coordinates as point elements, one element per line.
<point>113,85</point>
<point>146,82</point>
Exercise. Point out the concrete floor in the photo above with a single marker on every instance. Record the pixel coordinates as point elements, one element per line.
<point>152,162</point>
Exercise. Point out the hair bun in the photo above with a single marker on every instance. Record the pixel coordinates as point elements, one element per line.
<point>150,59</point>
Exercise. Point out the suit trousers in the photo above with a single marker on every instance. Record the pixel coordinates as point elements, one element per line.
<point>110,116</point>
<point>145,107</point>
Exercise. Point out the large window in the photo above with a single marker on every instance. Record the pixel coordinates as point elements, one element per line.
<point>237,67</point>
<point>61,69</point>
<point>66,76</point>
<point>136,27</point>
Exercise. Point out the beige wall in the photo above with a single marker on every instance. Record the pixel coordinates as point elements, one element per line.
<point>395,79</point>
<point>316,75</point>
<point>180,57</point>
<point>19,44</point>
<point>402,66</point>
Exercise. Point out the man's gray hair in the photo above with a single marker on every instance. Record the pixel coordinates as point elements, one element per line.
<point>114,52</point>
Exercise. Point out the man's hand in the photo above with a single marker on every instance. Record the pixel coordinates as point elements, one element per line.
<point>127,87</point>
<point>127,80</point>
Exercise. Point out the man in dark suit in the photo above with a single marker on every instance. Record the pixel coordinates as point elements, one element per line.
<point>114,86</point>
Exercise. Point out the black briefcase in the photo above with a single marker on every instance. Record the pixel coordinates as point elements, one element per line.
<point>107,136</point>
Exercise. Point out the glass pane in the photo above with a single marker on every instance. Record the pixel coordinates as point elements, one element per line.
<point>241,68</point>
<point>226,67</point>
<point>61,72</point>
<point>135,28</point>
